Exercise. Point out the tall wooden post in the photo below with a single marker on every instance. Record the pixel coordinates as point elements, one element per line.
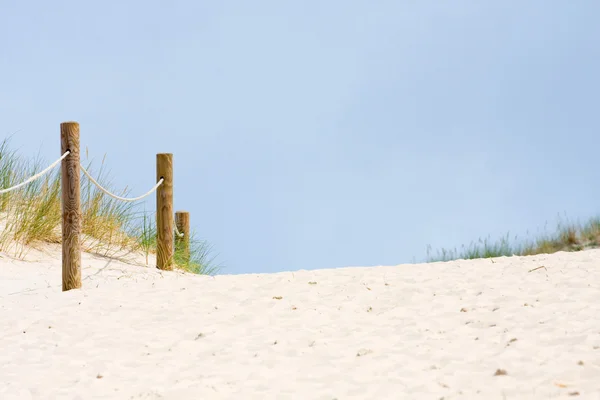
<point>182,243</point>
<point>71,207</point>
<point>164,212</point>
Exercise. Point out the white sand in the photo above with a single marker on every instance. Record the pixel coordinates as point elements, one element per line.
<point>356,333</point>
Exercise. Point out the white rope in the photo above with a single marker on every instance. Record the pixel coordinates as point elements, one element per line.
<point>54,164</point>
<point>36,176</point>
<point>119,197</point>
<point>179,234</point>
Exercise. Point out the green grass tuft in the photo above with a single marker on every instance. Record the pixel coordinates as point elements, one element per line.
<point>568,236</point>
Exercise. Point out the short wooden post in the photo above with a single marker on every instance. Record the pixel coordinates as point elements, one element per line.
<point>182,243</point>
<point>71,207</point>
<point>164,212</point>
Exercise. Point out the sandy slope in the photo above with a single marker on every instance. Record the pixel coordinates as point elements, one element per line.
<point>427,331</point>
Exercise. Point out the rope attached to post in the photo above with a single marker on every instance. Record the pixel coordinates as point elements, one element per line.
<point>54,164</point>
<point>179,234</point>
<point>36,176</point>
<point>119,197</point>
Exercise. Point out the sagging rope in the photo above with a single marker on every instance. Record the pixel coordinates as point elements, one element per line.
<point>119,197</point>
<point>54,164</point>
<point>179,234</point>
<point>36,176</point>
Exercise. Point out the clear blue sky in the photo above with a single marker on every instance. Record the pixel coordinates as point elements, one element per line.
<point>320,134</point>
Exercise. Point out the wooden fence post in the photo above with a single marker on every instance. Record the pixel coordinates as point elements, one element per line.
<point>71,207</point>
<point>164,212</point>
<point>182,244</point>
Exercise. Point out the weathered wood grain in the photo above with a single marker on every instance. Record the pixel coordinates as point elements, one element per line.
<point>71,207</point>
<point>164,212</point>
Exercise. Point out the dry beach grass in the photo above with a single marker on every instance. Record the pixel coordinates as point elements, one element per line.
<point>31,216</point>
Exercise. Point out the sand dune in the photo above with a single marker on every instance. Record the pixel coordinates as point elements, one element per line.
<point>482,329</point>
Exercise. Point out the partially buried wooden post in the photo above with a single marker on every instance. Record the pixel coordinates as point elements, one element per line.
<point>182,243</point>
<point>71,207</point>
<point>164,212</point>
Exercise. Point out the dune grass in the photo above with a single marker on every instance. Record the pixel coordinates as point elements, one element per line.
<point>32,215</point>
<point>568,236</point>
